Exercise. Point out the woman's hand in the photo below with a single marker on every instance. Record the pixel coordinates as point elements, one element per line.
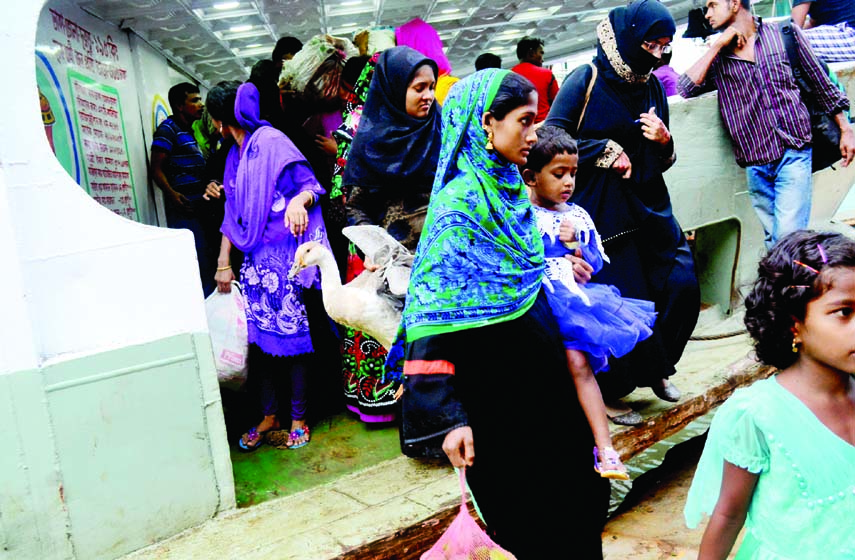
<point>327,144</point>
<point>224,279</point>
<point>653,128</point>
<point>296,216</point>
<point>623,166</point>
<point>212,190</point>
<point>459,446</point>
<point>582,271</point>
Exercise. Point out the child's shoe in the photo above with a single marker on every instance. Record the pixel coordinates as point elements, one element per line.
<point>611,467</point>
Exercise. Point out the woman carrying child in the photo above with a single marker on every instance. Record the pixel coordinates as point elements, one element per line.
<point>486,376</point>
<point>595,321</point>
<point>780,455</point>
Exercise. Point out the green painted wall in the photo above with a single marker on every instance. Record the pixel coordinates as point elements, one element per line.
<point>113,451</point>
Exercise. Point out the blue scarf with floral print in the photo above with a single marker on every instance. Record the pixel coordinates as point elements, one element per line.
<point>480,258</point>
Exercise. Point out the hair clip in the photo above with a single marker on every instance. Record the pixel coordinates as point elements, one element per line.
<point>822,253</point>
<point>799,286</point>
<point>807,266</point>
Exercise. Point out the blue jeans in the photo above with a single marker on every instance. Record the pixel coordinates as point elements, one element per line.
<point>781,193</point>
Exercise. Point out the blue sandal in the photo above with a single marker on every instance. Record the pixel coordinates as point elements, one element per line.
<point>254,440</point>
<point>297,434</point>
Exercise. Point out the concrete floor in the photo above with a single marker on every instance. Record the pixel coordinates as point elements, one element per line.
<point>649,525</point>
<point>323,517</point>
<point>320,523</point>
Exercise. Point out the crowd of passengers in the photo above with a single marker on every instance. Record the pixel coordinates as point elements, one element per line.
<point>550,277</point>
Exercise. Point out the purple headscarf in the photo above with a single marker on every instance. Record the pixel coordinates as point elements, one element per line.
<point>260,179</point>
<point>419,35</point>
<point>248,108</point>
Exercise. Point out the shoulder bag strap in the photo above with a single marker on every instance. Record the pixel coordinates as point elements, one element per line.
<point>587,98</point>
<point>793,56</point>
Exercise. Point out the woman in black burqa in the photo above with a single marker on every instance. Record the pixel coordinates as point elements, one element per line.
<point>624,148</point>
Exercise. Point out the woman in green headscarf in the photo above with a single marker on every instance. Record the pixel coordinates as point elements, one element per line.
<point>485,372</point>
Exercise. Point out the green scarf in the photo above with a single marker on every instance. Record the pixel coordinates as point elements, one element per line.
<point>480,258</point>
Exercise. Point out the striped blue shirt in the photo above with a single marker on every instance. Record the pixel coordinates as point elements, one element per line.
<point>185,166</point>
<point>760,102</point>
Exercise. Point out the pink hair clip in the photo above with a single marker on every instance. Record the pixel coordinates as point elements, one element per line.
<point>822,253</point>
<point>807,266</point>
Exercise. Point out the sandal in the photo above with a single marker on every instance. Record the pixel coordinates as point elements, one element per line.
<point>254,440</point>
<point>622,415</point>
<point>298,434</point>
<point>612,468</point>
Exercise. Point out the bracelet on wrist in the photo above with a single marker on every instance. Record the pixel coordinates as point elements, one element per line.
<point>222,268</point>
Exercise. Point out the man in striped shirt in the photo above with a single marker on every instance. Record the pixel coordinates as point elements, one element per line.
<point>178,169</point>
<point>763,111</point>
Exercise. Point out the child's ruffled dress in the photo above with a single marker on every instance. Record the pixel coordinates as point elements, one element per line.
<point>593,318</point>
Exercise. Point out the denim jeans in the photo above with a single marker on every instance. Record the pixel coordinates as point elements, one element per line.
<point>781,193</point>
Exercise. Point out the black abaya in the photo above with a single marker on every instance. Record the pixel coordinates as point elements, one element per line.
<point>533,476</point>
<point>634,216</point>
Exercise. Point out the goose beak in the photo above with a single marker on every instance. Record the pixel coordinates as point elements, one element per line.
<point>296,267</point>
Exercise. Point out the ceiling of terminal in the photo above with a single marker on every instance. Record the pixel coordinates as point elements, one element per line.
<point>214,40</point>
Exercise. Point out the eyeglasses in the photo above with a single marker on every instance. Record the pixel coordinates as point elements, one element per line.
<point>654,48</point>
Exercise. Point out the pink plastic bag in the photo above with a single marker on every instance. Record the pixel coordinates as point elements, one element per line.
<point>464,539</point>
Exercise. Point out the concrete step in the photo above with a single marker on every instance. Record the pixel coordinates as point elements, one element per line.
<point>358,515</point>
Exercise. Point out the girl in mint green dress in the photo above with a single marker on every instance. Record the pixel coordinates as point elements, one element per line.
<point>780,455</point>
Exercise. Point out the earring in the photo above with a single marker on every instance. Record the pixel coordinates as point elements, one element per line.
<point>795,346</point>
<point>489,145</point>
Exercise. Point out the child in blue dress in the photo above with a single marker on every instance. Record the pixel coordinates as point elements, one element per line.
<point>595,321</point>
<point>780,454</point>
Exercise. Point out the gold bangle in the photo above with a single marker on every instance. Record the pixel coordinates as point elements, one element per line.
<point>222,268</point>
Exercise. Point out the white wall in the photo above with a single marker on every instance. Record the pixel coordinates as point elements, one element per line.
<point>90,280</point>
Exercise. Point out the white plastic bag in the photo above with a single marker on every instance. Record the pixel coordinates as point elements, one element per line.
<point>227,325</point>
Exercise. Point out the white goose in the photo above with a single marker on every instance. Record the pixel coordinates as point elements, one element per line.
<point>373,301</point>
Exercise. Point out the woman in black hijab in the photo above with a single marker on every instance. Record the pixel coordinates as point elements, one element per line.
<point>393,158</point>
<point>624,147</point>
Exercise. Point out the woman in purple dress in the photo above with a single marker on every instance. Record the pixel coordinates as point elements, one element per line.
<point>271,208</point>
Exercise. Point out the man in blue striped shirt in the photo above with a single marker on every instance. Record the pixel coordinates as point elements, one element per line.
<point>762,110</point>
<point>178,169</point>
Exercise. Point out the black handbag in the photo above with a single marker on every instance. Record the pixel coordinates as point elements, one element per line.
<point>825,133</point>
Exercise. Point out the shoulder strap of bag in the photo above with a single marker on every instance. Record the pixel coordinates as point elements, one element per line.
<point>790,46</point>
<point>587,97</point>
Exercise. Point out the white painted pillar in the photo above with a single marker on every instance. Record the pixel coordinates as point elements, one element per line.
<point>109,407</point>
